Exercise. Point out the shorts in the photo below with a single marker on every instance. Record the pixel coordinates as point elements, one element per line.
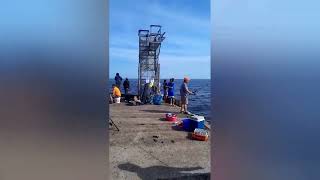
<point>184,100</point>
<point>171,97</point>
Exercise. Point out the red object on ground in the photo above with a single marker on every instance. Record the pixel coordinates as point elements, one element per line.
<point>199,137</point>
<point>171,117</point>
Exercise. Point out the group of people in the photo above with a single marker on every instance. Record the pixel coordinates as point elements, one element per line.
<point>126,83</point>
<point>116,93</point>
<point>168,93</point>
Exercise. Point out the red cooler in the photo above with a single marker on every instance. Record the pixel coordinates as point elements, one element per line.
<point>171,117</point>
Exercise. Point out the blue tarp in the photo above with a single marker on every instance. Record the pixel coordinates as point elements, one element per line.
<point>157,99</point>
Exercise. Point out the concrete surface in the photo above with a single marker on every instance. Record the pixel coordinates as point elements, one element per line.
<point>147,147</point>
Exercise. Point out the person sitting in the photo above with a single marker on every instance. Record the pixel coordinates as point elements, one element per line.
<point>171,91</point>
<point>135,101</point>
<point>152,87</point>
<point>184,92</point>
<point>148,91</point>
<point>116,94</point>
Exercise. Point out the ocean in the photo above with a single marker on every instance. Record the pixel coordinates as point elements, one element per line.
<point>198,104</point>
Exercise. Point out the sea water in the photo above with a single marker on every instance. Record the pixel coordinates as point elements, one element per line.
<point>198,104</point>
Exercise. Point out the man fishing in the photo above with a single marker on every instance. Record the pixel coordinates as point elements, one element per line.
<point>184,92</point>
<point>118,80</point>
<point>126,86</point>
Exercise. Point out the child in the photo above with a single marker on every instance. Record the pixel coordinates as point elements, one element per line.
<point>171,91</point>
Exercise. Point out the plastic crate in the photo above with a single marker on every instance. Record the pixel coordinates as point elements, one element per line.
<point>199,137</point>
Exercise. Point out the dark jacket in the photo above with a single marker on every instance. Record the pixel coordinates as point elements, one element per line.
<point>165,86</point>
<point>126,84</point>
<point>118,79</point>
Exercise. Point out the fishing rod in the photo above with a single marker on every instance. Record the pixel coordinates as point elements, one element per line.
<point>195,92</point>
<point>111,123</point>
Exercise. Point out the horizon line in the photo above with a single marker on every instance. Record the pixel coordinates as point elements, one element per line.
<point>168,78</point>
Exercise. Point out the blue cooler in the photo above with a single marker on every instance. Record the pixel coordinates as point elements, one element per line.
<point>197,122</point>
<point>190,124</point>
<point>187,124</point>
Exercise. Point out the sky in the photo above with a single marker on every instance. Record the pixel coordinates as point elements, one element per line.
<point>266,24</point>
<point>184,52</point>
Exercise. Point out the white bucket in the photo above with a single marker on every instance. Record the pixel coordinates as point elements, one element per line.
<point>117,100</point>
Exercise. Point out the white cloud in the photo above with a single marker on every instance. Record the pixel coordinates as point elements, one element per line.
<point>169,58</point>
<point>133,55</point>
<point>177,16</point>
<point>123,42</point>
<point>129,16</point>
<point>124,54</point>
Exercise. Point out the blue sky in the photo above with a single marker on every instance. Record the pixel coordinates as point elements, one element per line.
<point>184,52</point>
<point>265,24</point>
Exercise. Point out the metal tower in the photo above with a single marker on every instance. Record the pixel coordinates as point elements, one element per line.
<point>149,50</point>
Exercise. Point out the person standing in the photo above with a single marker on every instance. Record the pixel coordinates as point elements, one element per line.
<point>126,86</point>
<point>118,80</point>
<point>171,91</point>
<point>184,92</point>
<point>165,90</point>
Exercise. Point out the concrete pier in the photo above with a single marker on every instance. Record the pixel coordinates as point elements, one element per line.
<point>147,147</point>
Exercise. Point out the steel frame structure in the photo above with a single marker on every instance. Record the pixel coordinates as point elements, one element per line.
<point>149,50</point>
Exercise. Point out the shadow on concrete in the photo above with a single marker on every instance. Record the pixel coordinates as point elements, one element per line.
<point>155,111</point>
<point>132,104</point>
<point>162,119</point>
<point>189,136</point>
<point>177,128</point>
<point>163,172</point>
